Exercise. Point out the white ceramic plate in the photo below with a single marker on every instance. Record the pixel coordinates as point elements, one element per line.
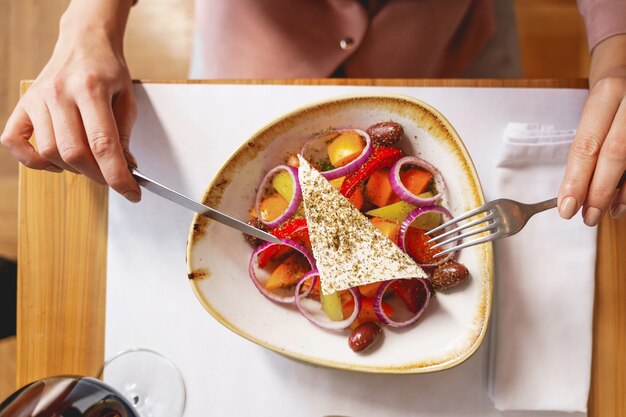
<point>217,260</point>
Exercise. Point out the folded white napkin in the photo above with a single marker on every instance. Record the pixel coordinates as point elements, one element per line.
<point>544,284</point>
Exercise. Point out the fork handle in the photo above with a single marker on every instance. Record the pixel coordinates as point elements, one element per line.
<point>548,204</point>
<point>544,205</point>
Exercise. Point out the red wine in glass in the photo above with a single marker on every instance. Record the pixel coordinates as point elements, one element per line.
<point>67,396</point>
<point>139,383</point>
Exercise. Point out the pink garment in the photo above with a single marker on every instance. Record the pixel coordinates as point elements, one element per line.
<point>404,38</point>
<point>312,38</point>
<point>603,19</point>
<point>437,38</point>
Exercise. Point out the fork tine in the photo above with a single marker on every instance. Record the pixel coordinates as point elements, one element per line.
<point>485,239</point>
<point>462,227</point>
<point>463,216</point>
<point>490,226</point>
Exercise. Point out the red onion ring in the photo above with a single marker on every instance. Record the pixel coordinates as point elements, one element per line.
<point>329,324</point>
<point>408,221</point>
<point>255,280</point>
<point>398,187</point>
<point>346,169</point>
<point>384,318</point>
<point>293,204</point>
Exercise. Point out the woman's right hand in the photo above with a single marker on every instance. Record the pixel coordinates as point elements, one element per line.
<point>81,107</point>
<point>597,157</point>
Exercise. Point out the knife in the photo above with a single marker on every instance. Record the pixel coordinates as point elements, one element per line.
<point>176,197</point>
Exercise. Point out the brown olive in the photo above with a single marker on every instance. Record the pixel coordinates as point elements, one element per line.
<point>254,241</point>
<point>385,133</point>
<point>364,336</point>
<point>448,275</point>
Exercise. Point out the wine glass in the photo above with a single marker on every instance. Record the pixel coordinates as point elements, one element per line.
<point>138,383</point>
<point>148,380</point>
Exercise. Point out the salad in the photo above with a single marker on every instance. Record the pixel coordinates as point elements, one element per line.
<point>399,194</point>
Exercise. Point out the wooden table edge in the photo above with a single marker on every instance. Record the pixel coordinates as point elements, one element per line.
<point>63,218</point>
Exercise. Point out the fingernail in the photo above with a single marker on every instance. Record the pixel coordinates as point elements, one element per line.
<point>618,211</point>
<point>54,168</point>
<point>130,159</point>
<point>132,196</point>
<point>568,207</point>
<point>592,216</point>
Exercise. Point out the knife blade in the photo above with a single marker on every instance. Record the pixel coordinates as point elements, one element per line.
<point>176,197</point>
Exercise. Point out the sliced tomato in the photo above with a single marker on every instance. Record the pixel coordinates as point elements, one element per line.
<point>272,207</point>
<point>378,188</point>
<point>416,180</point>
<point>315,291</point>
<point>357,199</point>
<point>369,290</point>
<point>388,228</point>
<point>288,272</point>
<point>417,248</point>
<point>367,313</point>
<point>412,292</point>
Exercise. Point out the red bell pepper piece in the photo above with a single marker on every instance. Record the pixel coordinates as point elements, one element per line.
<point>295,229</point>
<point>411,292</point>
<point>287,229</point>
<point>382,157</point>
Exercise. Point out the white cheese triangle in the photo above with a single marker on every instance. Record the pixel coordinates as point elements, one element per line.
<point>348,248</point>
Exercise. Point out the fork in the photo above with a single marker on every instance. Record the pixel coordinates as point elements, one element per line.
<point>504,218</point>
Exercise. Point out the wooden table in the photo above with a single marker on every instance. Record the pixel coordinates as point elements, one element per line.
<point>62,271</point>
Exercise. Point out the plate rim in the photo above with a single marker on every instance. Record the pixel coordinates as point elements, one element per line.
<point>413,368</point>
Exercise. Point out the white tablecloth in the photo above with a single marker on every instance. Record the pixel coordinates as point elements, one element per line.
<point>183,134</point>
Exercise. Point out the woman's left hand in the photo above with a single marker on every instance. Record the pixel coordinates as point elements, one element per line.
<point>597,157</point>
